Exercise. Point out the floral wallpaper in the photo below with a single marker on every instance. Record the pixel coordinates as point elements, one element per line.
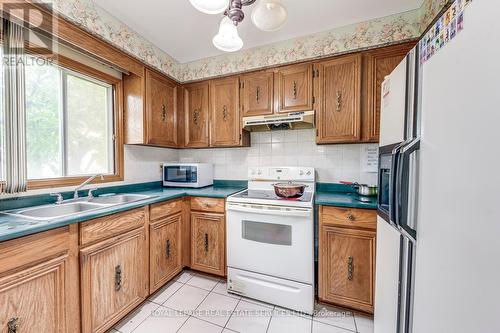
<point>390,29</point>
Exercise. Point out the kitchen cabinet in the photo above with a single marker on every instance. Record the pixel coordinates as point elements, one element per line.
<point>338,86</point>
<point>37,283</point>
<point>347,257</point>
<point>225,120</point>
<point>208,231</point>
<point>196,115</point>
<point>150,110</point>
<point>294,86</point>
<point>165,256</point>
<point>377,64</point>
<point>114,276</point>
<point>257,94</point>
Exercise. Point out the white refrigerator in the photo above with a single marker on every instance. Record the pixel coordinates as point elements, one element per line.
<point>438,240</point>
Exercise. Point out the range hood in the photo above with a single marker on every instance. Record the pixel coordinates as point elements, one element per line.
<point>292,120</point>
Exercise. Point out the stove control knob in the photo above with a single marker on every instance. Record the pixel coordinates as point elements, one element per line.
<point>308,173</point>
<point>253,171</point>
<point>259,172</point>
<point>301,172</point>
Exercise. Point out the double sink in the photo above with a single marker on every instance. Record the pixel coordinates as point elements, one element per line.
<point>76,206</point>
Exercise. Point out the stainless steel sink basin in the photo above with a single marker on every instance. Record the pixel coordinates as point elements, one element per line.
<point>55,211</point>
<point>119,199</point>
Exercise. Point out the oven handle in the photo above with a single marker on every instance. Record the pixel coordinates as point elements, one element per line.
<point>270,210</point>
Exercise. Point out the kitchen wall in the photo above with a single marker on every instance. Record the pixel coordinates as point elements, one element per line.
<point>286,148</point>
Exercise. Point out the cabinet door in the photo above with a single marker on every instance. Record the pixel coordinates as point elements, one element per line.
<point>196,115</point>
<point>161,111</point>
<point>377,65</point>
<point>347,267</point>
<point>295,88</point>
<point>34,300</point>
<point>113,279</point>
<point>208,243</point>
<point>339,105</point>
<point>257,93</point>
<point>164,251</point>
<point>225,122</point>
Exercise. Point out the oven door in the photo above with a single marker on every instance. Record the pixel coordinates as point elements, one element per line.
<point>180,174</point>
<point>271,240</point>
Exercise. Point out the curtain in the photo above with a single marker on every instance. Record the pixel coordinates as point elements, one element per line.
<point>14,115</point>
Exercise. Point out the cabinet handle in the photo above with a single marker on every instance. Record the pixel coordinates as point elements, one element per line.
<point>351,217</point>
<point>257,94</point>
<point>350,268</point>
<point>168,249</point>
<point>163,113</point>
<point>118,277</point>
<point>13,325</point>
<point>339,101</point>
<point>224,113</point>
<point>196,116</point>
<point>206,243</point>
<point>294,90</point>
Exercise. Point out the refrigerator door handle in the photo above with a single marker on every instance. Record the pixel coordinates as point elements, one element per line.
<point>405,215</point>
<point>393,182</point>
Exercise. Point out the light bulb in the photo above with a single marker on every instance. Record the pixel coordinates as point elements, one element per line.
<point>227,39</point>
<point>210,6</point>
<point>269,15</point>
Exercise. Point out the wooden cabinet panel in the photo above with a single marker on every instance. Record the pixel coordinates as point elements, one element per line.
<point>225,122</point>
<point>347,267</point>
<point>113,279</point>
<point>339,104</point>
<point>108,226</point>
<point>257,94</point>
<point>208,243</point>
<point>164,209</point>
<point>349,217</point>
<point>34,299</point>
<point>161,110</point>
<point>377,65</point>
<point>196,115</point>
<point>203,204</point>
<point>295,88</point>
<point>165,251</point>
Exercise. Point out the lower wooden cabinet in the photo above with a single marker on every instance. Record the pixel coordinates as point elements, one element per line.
<point>208,242</point>
<point>346,260</point>
<point>114,279</point>
<point>165,257</point>
<point>38,292</point>
<point>34,299</point>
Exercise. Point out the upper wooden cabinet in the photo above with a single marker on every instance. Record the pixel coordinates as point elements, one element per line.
<point>225,121</point>
<point>161,110</point>
<point>295,88</point>
<point>339,100</point>
<point>257,94</point>
<point>377,64</point>
<point>150,110</point>
<point>196,115</point>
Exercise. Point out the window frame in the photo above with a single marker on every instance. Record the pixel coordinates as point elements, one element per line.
<point>118,118</point>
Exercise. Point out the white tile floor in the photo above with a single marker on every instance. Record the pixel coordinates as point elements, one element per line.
<point>195,303</point>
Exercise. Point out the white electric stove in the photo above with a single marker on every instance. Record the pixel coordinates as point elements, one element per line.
<point>270,240</point>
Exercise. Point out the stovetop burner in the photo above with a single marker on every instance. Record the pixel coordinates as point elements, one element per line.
<point>270,195</point>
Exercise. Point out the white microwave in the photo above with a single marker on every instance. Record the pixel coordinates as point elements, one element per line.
<point>188,174</point>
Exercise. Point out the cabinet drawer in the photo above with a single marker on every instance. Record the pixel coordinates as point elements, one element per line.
<point>208,204</point>
<point>164,209</point>
<point>349,217</point>
<point>108,226</point>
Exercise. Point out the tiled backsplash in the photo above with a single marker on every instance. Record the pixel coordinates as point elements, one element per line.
<point>286,148</point>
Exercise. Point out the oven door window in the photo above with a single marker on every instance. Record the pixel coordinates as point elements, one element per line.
<point>269,233</point>
<point>180,174</point>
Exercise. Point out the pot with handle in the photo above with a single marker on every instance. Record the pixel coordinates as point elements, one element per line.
<point>363,189</point>
<point>289,190</point>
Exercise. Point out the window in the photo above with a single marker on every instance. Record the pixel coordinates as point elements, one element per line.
<point>69,119</point>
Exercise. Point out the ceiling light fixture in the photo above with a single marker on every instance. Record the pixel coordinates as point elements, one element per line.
<point>268,15</point>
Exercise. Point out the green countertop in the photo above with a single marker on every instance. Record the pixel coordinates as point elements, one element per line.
<point>13,226</point>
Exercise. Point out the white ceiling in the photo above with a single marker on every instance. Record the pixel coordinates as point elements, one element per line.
<point>186,34</point>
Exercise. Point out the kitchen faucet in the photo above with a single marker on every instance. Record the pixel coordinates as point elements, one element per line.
<point>79,187</point>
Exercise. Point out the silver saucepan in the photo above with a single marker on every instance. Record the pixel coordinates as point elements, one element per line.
<point>289,190</point>
<point>363,189</point>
